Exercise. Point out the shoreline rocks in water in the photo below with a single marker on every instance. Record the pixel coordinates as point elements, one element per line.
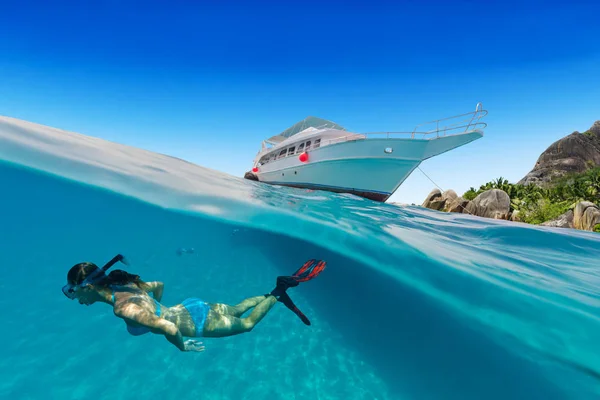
<point>555,193</point>
<point>563,221</point>
<point>434,195</point>
<point>493,203</point>
<point>496,204</point>
<point>586,216</point>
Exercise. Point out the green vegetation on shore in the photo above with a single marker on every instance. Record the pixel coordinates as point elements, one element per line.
<point>537,204</point>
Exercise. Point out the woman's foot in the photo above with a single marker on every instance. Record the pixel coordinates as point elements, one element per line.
<point>283,284</point>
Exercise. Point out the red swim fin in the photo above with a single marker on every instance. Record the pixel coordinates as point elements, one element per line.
<point>310,270</point>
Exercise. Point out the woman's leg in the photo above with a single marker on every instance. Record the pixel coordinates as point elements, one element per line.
<point>239,309</point>
<point>221,325</point>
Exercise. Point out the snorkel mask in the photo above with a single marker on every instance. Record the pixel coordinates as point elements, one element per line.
<point>70,289</point>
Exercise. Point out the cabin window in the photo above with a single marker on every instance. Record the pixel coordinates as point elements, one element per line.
<point>300,148</point>
<point>307,145</point>
<point>291,150</point>
<point>317,143</point>
<point>282,153</point>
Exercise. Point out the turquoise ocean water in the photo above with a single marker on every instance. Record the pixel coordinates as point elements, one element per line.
<point>414,304</point>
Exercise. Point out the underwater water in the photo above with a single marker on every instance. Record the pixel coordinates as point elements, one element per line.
<point>414,304</point>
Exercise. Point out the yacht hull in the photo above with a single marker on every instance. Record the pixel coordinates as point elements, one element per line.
<point>370,168</point>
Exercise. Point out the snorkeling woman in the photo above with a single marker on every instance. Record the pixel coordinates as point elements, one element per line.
<point>131,301</point>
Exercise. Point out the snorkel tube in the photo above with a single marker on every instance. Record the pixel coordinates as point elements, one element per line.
<point>70,289</point>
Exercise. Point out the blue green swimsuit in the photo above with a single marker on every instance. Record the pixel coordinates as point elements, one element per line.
<point>197,308</point>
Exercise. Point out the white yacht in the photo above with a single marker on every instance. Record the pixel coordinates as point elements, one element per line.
<point>319,154</point>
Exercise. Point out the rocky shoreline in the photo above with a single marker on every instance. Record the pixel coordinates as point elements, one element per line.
<point>496,204</point>
<point>567,172</point>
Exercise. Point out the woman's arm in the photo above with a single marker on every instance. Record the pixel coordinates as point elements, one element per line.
<point>134,313</point>
<point>156,288</point>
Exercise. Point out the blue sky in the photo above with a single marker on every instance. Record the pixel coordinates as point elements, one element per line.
<point>208,82</point>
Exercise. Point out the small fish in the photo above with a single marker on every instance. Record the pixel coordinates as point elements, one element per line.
<point>182,250</point>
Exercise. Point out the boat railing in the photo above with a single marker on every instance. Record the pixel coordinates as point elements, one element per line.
<point>455,125</point>
<point>456,120</point>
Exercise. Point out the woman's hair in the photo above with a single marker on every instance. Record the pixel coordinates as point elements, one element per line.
<point>118,277</point>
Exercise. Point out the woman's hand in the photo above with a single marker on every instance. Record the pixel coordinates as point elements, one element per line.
<point>193,345</point>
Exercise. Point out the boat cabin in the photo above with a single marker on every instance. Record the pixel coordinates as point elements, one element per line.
<point>291,150</point>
